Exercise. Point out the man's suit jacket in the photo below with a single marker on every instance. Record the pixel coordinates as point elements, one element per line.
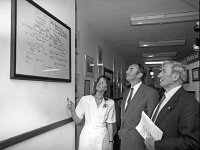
<point>179,121</point>
<point>145,99</point>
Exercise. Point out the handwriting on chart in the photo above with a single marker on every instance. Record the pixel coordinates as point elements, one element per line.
<point>46,43</point>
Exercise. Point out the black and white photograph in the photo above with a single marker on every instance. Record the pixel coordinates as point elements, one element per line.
<point>99,75</point>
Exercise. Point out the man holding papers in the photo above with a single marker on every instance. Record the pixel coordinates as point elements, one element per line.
<point>177,115</point>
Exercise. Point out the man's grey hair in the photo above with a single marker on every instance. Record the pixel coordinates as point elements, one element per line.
<point>177,67</point>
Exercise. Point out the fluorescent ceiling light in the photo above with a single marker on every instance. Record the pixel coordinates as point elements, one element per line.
<point>47,70</point>
<point>101,64</point>
<point>153,62</point>
<point>162,43</point>
<point>165,18</point>
<point>164,54</point>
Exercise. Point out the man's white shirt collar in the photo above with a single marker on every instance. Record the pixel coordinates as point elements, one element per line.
<point>135,88</point>
<point>170,93</point>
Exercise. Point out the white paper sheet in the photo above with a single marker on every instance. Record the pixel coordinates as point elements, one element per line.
<point>147,128</point>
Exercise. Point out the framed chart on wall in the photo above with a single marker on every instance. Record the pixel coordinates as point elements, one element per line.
<point>100,56</point>
<point>87,87</point>
<point>187,77</point>
<point>40,44</point>
<point>109,73</point>
<point>89,66</point>
<point>195,74</point>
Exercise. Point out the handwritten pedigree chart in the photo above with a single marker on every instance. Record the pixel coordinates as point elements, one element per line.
<point>42,43</point>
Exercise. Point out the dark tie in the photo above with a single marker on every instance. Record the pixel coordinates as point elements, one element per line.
<point>130,96</point>
<point>156,112</point>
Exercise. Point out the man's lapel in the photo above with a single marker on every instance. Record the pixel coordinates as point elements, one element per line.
<point>169,106</point>
<point>123,102</point>
<point>123,110</point>
<point>137,97</point>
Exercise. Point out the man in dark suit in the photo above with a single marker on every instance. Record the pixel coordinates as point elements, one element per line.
<point>136,99</point>
<point>178,114</point>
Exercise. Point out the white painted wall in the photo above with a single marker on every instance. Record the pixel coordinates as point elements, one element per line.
<point>89,41</point>
<point>26,105</point>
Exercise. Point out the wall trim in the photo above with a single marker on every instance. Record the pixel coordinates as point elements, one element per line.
<point>30,134</point>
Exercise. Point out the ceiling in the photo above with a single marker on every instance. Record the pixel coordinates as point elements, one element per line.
<point>110,19</point>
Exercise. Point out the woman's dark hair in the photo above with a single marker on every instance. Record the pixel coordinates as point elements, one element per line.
<point>143,71</point>
<point>105,95</point>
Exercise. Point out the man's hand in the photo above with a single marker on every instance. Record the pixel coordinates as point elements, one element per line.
<point>149,142</point>
<point>110,145</point>
<point>119,134</point>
